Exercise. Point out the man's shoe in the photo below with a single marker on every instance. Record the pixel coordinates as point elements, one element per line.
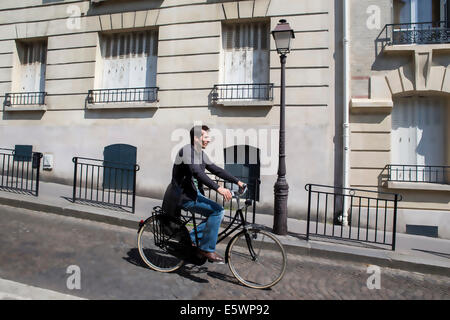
<point>211,256</point>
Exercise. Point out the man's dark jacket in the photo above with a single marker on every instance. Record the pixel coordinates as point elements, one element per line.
<point>190,164</point>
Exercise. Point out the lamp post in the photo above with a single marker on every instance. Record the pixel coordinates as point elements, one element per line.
<point>282,35</point>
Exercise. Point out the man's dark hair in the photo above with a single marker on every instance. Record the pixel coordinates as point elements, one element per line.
<point>197,130</point>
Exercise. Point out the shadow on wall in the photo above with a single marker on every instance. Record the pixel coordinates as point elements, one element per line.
<point>116,6</point>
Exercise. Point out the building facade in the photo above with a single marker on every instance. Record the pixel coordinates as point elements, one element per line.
<point>80,76</point>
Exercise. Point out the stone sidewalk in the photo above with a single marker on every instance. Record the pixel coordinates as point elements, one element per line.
<point>413,253</point>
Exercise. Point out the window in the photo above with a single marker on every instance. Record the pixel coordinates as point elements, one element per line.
<point>418,138</point>
<point>245,62</point>
<point>28,81</point>
<point>128,67</point>
<point>417,11</point>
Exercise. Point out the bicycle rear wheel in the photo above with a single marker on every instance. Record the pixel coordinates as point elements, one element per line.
<point>162,249</point>
<point>256,258</point>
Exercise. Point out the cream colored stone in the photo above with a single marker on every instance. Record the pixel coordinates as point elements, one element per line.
<point>245,9</point>
<point>303,58</point>
<point>365,177</point>
<point>189,46</point>
<point>304,96</point>
<point>231,10</point>
<point>394,82</point>
<point>43,12</point>
<point>194,80</point>
<point>303,77</point>
<point>5,74</point>
<point>308,40</point>
<point>281,7</point>
<point>206,12</point>
<point>72,41</point>
<point>75,70</point>
<point>71,55</point>
<point>370,106</point>
<point>152,17</point>
<point>379,88</point>
<point>260,8</point>
<point>446,81</point>
<point>422,61</point>
<point>436,78</point>
<point>307,22</point>
<point>140,19</point>
<point>8,32</point>
<point>369,159</point>
<point>190,30</point>
<point>105,22</point>
<point>77,86</point>
<point>370,141</point>
<point>128,19</point>
<point>117,21</point>
<point>188,63</point>
<point>6,60</point>
<point>60,102</point>
<point>372,123</point>
<point>184,98</point>
<point>406,75</point>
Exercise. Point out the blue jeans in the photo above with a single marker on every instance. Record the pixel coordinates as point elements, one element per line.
<point>208,230</point>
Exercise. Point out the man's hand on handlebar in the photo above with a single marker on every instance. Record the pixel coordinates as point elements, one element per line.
<point>225,193</point>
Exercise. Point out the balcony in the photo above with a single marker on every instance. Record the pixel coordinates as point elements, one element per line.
<point>118,98</point>
<point>258,94</point>
<point>25,101</point>
<point>415,33</point>
<point>418,177</point>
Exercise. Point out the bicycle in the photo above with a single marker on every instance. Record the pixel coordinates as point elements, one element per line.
<point>256,258</point>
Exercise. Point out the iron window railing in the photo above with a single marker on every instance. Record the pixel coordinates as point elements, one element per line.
<point>415,33</point>
<point>372,215</point>
<point>25,98</point>
<point>147,94</point>
<point>418,173</point>
<point>105,183</point>
<point>256,91</point>
<point>20,173</point>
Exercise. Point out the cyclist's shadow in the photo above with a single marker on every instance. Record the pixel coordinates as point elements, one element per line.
<point>188,270</point>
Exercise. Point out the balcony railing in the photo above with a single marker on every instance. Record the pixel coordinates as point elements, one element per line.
<point>25,98</point>
<point>230,92</point>
<point>418,173</point>
<point>147,94</point>
<point>415,33</point>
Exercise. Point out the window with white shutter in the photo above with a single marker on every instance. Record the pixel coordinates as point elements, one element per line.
<point>128,67</point>
<point>418,136</point>
<point>245,61</point>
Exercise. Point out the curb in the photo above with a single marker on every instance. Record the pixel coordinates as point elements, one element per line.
<point>311,249</point>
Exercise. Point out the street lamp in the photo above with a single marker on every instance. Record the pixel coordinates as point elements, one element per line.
<point>282,36</point>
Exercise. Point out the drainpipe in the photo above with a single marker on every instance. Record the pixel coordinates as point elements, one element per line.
<point>346,94</point>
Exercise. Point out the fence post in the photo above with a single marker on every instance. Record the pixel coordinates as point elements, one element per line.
<point>134,187</point>
<point>38,157</point>
<point>394,227</point>
<point>309,212</point>
<point>75,161</point>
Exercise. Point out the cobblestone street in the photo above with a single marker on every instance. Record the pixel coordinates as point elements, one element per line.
<point>37,249</point>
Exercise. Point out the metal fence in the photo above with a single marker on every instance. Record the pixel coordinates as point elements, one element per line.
<point>148,94</point>
<point>25,98</point>
<point>418,173</point>
<point>372,215</point>
<point>416,33</point>
<point>20,173</point>
<point>256,91</point>
<point>105,183</point>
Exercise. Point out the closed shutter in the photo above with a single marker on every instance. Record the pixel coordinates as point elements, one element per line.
<point>418,134</point>
<point>33,64</point>
<point>129,60</point>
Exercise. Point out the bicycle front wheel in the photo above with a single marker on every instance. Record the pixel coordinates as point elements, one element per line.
<point>257,258</point>
<point>159,253</point>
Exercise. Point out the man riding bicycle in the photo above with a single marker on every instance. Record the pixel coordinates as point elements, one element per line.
<point>186,191</point>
